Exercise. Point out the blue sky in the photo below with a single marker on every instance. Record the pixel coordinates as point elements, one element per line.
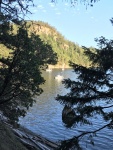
<point>77,24</point>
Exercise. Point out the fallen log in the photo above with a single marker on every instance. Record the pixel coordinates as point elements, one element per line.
<point>28,145</point>
<point>31,140</point>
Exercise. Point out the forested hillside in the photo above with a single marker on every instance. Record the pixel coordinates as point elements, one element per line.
<point>65,49</point>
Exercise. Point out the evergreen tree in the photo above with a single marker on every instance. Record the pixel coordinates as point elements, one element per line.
<point>20,72</point>
<point>91,94</point>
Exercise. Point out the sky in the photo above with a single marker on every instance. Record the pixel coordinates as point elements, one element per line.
<point>79,24</point>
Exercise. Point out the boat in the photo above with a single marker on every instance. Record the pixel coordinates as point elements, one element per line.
<point>48,70</point>
<point>59,77</point>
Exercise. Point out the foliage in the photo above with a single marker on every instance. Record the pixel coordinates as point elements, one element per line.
<point>91,94</point>
<point>75,2</point>
<point>20,70</point>
<point>21,74</point>
<point>14,10</point>
<point>65,49</point>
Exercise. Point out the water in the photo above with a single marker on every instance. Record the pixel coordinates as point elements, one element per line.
<point>45,117</point>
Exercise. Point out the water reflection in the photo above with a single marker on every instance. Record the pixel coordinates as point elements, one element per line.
<point>45,117</point>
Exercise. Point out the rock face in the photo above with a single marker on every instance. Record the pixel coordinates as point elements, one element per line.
<point>39,28</point>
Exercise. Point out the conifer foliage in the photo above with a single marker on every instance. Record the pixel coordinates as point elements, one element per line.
<point>91,95</point>
<point>20,71</point>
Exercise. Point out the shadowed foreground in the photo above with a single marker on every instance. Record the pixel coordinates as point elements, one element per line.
<point>22,139</point>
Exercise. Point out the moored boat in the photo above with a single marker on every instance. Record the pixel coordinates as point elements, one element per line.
<point>48,70</point>
<point>59,77</point>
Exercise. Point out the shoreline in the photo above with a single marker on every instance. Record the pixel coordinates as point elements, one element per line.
<point>59,67</point>
<point>41,142</point>
<point>23,136</point>
<point>31,140</point>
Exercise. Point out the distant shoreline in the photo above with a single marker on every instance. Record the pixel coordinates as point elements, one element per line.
<point>59,67</point>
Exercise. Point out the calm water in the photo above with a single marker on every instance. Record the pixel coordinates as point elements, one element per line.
<point>45,117</point>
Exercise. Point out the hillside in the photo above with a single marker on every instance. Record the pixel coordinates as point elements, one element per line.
<point>65,49</point>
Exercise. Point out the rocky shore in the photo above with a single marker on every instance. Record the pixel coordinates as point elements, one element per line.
<point>25,137</point>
